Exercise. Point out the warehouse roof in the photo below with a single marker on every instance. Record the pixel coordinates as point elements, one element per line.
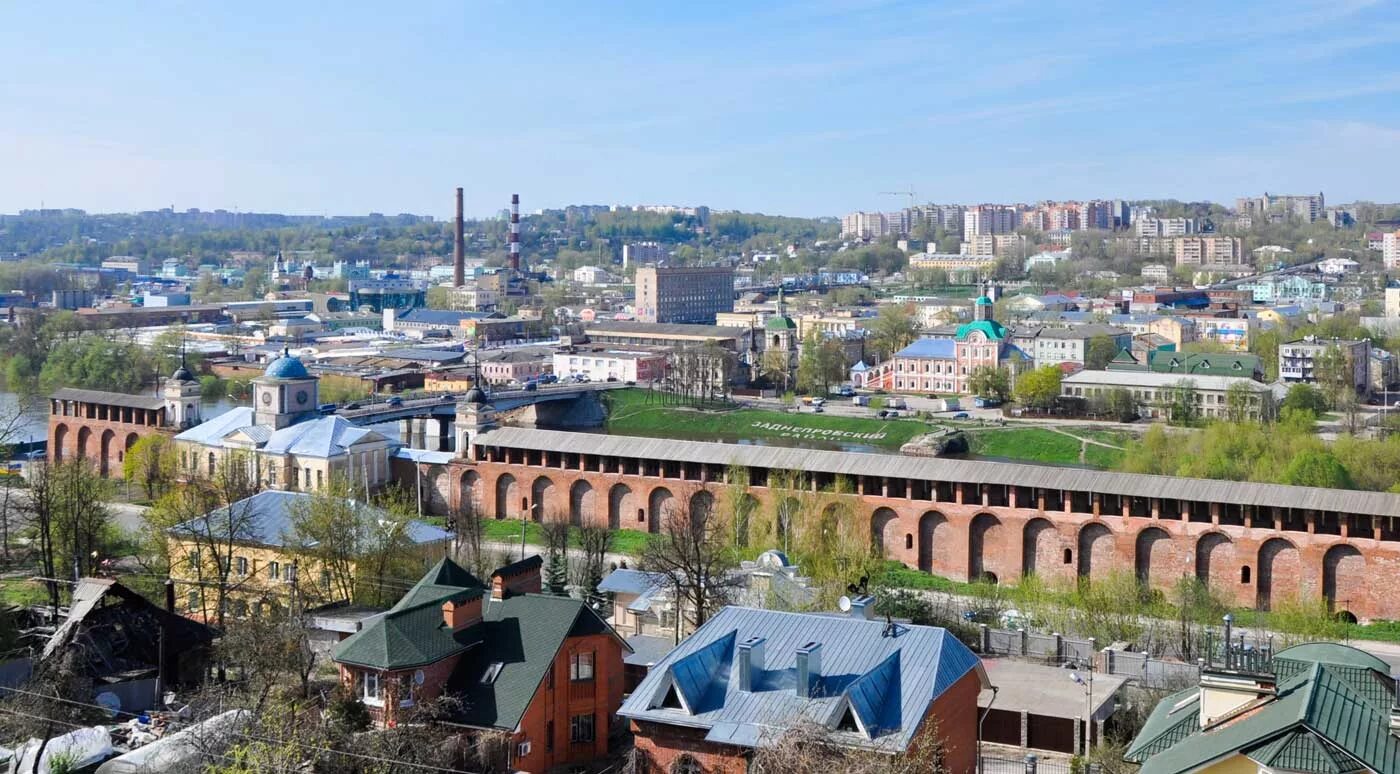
<point>942,469</point>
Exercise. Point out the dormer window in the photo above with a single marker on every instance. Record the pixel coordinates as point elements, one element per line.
<point>492,672</point>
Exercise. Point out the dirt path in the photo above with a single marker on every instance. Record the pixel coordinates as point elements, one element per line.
<point>1083,442</point>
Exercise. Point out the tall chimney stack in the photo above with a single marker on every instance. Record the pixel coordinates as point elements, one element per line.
<point>515,232</point>
<point>459,247</point>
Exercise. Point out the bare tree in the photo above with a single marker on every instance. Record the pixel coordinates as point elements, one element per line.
<point>594,542</point>
<point>692,552</point>
<point>810,749</point>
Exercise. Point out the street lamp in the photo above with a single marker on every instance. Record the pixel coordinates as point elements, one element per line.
<point>1088,686</point>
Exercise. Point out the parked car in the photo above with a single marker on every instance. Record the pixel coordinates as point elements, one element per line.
<point>961,415</point>
<point>817,409</point>
<point>612,378</point>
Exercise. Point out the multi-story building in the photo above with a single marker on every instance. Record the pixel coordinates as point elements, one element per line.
<point>948,217</point>
<point>1156,393</point>
<point>961,266</point>
<point>388,293</point>
<point>1208,250</point>
<point>865,225</point>
<point>542,669</point>
<point>1390,249</point>
<point>1297,360</point>
<point>1096,214</point>
<point>1233,332</point>
<point>989,219</point>
<point>1164,227</point>
<point>1054,346</point>
<point>638,253</point>
<point>1307,207</point>
<point>603,364</point>
<point>946,364</point>
<point>684,294</point>
<point>266,562</point>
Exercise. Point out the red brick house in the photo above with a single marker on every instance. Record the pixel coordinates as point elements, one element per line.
<point>544,669</point>
<point>747,676</point>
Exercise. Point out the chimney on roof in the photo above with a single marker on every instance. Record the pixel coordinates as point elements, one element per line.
<point>522,577</point>
<point>459,615</point>
<point>750,663</point>
<point>809,670</point>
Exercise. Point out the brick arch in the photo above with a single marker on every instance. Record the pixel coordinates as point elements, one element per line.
<point>1215,558</point>
<point>469,492</point>
<point>884,526</point>
<point>81,449</point>
<point>702,505</point>
<point>1095,545</point>
<point>984,533</point>
<point>659,505</point>
<point>507,491</point>
<point>439,492</point>
<point>785,517</point>
<point>1281,568</point>
<point>934,533</point>
<point>1152,547</point>
<point>540,491</point>
<point>581,503</point>
<point>744,510</point>
<point>105,466</point>
<point>620,505</point>
<point>60,437</point>
<point>1344,581</point>
<point>829,526</point>
<point>1040,547</point>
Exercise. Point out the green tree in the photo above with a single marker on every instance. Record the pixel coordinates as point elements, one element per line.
<point>150,462</point>
<point>1265,345</point>
<point>821,364</point>
<point>893,329</point>
<point>1120,404</point>
<point>1318,468</point>
<point>1239,402</point>
<point>1099,352</point>
<point>1183,404</point>
<point>97,363</point>
<point>1333,373</point>
<point>1039,388</point>
<point>1305,397</point>
<point>990,382</point>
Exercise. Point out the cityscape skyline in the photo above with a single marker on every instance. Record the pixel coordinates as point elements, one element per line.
<point>800,109</point>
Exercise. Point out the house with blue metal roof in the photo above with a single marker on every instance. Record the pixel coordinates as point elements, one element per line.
<point>944,364</point>
<point>748,676</point>
<point>283,441</point>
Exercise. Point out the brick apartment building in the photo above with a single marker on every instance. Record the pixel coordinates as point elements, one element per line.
<point>544,669</point>
<point>747,676</point>
<point>684,294</point>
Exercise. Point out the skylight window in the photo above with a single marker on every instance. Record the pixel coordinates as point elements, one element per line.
<point>492,672</point>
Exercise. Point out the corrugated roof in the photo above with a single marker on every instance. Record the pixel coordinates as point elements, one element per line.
<point>905,672</point>
<point>663,330</point>
<point>943,349</point>
<point>109,398</point>
<point>266,518</point>
<point>211,432</point>
<point>628,581</point>
<point>1157,379</point>
<point>941,469</point>
<point>327,436</point>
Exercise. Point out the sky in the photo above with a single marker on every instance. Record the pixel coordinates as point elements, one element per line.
<point>807,108</point>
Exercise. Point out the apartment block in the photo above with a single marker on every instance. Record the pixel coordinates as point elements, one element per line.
<point>989,219</point>
<point>1212,250</point>
<point>643,252</point>
<point>1165,227</point>
<point>684,294</point>
<point>1308,207</point>
<point>1390,249</point>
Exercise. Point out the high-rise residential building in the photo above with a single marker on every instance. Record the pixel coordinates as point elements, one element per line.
<point>1307,207</point>
<point>643,252</point>
<point>1390,249</point>
<point>948,217</point>
<point>864,225</point>
<point>989,219</point>
<point>1208,250</point>
<point>1063,217</point>
<point>1164,227</point>
<point>1096,214</point>
<point>1122,213</point>
<point>684,294</point>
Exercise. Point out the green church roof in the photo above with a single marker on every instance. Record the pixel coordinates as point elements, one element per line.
<point>780,323</point>
<point>993,330</point>
<point>983,301</point>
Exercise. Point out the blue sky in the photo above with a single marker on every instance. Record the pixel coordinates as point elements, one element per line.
<point>804,108</point>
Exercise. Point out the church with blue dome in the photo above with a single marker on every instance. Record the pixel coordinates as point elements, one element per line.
<point>283,440</point>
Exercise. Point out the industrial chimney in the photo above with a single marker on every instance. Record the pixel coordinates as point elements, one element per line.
<point>459,247</point>
<point>515,232</point>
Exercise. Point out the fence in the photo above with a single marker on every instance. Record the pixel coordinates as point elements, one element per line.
<point>1030,764</point>
<point>1059,650</point>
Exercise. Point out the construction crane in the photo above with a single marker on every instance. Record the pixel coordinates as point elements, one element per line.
<point>910,193</point>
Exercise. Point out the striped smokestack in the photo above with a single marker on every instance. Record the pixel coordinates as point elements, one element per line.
<point>459,247</point>
<point>515,232</point>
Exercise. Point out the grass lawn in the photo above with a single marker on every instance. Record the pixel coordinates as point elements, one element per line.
<point>625,541</point>
<point>1036,444</point>
<point>629,413</point>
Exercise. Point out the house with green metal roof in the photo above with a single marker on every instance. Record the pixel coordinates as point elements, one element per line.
<point>1319,708</point>
<point>544,669</point>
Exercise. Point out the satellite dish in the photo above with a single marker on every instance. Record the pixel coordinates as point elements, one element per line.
<point>110,702</point>
<point>844,603</point>
<point>418,677</point>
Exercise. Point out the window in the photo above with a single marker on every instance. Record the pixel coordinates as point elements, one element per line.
<point>405,690</point>
<point>194,558</point>
<point>581,666</point>
<point>211,463</point>
<point>686,764</point>
<point>273,570</point>
<point>370,689</point>
<point>1069,556</point>
<point>325,580</point>
<point>1244,575</point>
<point>193,600</point>
<point>242,565</point>
<point>580,729</point>
<point>493,671</point>
<point>522,749</point>
<point>289,573</point>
